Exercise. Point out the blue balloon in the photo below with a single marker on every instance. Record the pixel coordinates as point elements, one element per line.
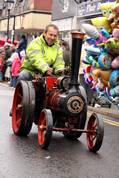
<point>104,32</point>
<point>90,41</point>
<point>104,61</point>
<point>93,50</point>
<point>114,78</point>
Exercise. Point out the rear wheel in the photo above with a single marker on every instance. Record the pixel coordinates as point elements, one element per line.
<point>23,108</point>
<point>45,126</point>
<point>95,137</point>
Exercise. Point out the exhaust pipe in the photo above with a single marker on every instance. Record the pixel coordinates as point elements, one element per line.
<point>77,39</point>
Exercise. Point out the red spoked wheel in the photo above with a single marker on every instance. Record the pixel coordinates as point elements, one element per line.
<point>23,108</point>
<point>45,126</point>
<point>95,128</point>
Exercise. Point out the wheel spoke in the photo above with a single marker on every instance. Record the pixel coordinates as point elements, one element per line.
<point>19,107</point>
<point>41,131</point>
<point>18,122</point>
<point>91,142</point>
<point>19,95</point>
<point>94,125</point>
<point>41,137</point>
<point>93,137</point>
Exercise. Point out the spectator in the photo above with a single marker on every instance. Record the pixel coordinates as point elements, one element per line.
<point>22,55</point>
<point>1,70</point>
<point>66,53</point>
<point>15,69</point>
<point>1,63</point>
<point>8,49</point>
<point>22,45</point>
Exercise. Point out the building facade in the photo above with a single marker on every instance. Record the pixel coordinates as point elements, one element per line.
<point>69,14</point>
<point>27,17</point>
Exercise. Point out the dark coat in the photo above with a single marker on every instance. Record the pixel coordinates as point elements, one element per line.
<point>22,45</point>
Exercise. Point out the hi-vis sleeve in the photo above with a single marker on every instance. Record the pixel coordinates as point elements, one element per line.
<point>35,53</point>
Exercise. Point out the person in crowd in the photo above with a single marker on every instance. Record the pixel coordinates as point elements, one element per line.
<point>1,63</point>
<point>15,69</point>
<point>22,45</point>
<point>1,70</point>
<point>66,52</point>
<point>43,55</point>
<point>8,50</point>
<point>22,55</point>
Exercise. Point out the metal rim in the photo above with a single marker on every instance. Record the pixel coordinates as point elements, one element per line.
<point>17,108</point>
<point>45,126</point>
<point>95,132</point>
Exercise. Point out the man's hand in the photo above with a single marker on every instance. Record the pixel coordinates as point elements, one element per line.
<point>60,72</point>
<point>67,70</point>
<point>37,77</point>
<point>49,71</point>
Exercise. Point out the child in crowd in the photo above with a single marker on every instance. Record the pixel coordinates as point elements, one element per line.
<point>22,55</point>
<point>15,69</point>
<point>1,64</point>
<point>1,70</point>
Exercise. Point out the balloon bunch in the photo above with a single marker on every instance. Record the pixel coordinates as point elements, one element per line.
<point>102,59</point>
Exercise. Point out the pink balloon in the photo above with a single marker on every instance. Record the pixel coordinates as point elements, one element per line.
<point>115,63</point>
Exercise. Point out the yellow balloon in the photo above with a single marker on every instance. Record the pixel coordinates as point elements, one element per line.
<point>106,8</point>
<point>100,22</point>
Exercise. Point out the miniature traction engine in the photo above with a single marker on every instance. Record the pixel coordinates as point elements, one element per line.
<point>56,103</point>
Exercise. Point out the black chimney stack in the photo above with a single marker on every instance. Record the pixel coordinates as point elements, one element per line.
<point>77,39</point>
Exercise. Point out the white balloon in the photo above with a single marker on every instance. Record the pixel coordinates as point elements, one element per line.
<point>90,30</point>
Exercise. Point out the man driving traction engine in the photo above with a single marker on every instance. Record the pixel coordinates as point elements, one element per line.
<point>43,55</point>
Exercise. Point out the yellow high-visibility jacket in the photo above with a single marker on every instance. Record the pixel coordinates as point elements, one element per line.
<point>40,56</point>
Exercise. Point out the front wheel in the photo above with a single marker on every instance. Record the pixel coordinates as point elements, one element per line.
<point>95,128</point>
<point>45,126</point>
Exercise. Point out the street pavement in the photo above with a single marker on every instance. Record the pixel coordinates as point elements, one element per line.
<point>113,113</point>
<point>22,157</point>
